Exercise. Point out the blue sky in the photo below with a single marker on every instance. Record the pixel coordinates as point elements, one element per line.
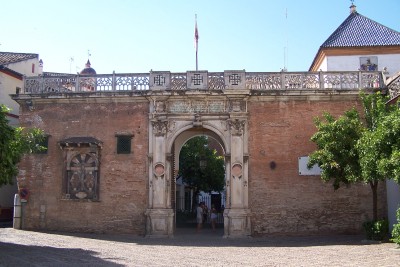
<point>130,36</point>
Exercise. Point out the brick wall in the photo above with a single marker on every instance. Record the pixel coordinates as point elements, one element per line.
<point>283,202</point>
<point>123,177</point>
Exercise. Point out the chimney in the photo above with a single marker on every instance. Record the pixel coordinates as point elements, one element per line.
<point>353,8</point>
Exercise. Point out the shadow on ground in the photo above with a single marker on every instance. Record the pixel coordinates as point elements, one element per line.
<point>26,255</point>
<point>209,238</point>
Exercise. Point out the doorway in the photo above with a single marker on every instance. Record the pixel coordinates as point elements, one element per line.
<point>199,171</point>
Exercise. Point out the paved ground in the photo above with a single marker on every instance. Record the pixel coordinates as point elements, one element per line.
<point>26,248</point>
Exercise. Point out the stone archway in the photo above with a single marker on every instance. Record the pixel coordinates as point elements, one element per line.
<point>184,199</point>
<point>168,126</point>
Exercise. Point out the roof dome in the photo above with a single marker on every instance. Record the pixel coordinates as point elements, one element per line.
<point>88,70</point>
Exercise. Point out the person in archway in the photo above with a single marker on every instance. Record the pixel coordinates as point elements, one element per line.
<point>205,213</point>
<point>199,216</point>
<point>213,216</point>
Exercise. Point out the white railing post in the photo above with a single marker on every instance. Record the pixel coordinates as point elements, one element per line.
<point>321,80</point>
<point>113,82</point>
<point>77,83</point>
<point>283,84</point>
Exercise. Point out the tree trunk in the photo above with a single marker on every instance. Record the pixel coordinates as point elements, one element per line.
<point>374,188</point>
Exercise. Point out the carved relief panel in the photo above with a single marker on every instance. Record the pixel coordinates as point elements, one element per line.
<point>82,166</point>
<point>82,175</point>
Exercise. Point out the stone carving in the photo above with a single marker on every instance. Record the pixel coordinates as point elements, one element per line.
<point>159,170</point>
<point>160,107</point>
<point>237,126</point>
<point>171,126</point>
<point>236,106</point>
<point>82,172</point>
<point>237,171</point>
<point>197,122</point>
<point>160,127</point>
<point>196,106</point>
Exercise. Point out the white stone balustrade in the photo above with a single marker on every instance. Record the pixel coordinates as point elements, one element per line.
<point>202,80</point>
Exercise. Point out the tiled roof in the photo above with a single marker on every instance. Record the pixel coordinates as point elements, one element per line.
<point>358,30</point>
<point>8,57</point>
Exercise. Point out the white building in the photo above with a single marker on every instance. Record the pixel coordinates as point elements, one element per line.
<point>13,67</point>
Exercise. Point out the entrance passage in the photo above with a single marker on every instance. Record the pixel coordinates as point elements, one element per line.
<point>200,186</point>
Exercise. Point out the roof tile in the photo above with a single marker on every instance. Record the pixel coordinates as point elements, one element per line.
<point>8,57</point>
<point>358,30</point>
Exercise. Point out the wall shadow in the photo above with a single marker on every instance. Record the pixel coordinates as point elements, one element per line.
<point>27,255</point>
<point>210,238</point>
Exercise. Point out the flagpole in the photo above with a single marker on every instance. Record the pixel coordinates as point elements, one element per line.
<point>196,40</point>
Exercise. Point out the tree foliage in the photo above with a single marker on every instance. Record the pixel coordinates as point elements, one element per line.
<point>337,155</point>
<point>15,142</point>
<point>379,149</point>
<point>207,179</point>
<point>351,149</point>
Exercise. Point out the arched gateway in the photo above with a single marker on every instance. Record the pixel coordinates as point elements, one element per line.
<point>225,116</point>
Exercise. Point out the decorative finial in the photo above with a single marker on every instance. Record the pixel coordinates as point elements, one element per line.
<point>353,7</point>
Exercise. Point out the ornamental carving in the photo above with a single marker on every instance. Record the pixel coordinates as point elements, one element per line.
<point>236,106</point>
<point>82,176</point>
<point>160,127</point>
<point>237,126</point>
<point>159,107</point>
<point>237,171</point>
<point>171,126</point>
<point>159,170</point>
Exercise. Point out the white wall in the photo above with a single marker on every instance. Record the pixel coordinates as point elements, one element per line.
<point>352,63</point>
<point>324,65</point>
<point>393,199</point>
<point>25,67</point>
<point>8,85</point>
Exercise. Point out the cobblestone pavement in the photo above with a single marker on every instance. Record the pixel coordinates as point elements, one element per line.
<point>27,248</point>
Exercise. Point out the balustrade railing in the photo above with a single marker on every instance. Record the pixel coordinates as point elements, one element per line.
<point>228,80</point>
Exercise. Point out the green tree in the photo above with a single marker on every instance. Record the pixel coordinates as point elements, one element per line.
<point>337,155</point>
<point>201,178</point>
<point>14,142</point>
<point>396,229</point>
<point>351,150</point>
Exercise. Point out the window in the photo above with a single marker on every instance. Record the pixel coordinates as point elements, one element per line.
<point>43,146</point>
<point>124,144</point>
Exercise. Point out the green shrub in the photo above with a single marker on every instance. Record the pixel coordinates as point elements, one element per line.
<point>376,230</point>
<point>396,229</point>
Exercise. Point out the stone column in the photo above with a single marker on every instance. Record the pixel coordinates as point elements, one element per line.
<point>237,214</point>
<point>159,222</point>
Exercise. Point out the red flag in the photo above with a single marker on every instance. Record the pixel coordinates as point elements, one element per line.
<point>196,34</point>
